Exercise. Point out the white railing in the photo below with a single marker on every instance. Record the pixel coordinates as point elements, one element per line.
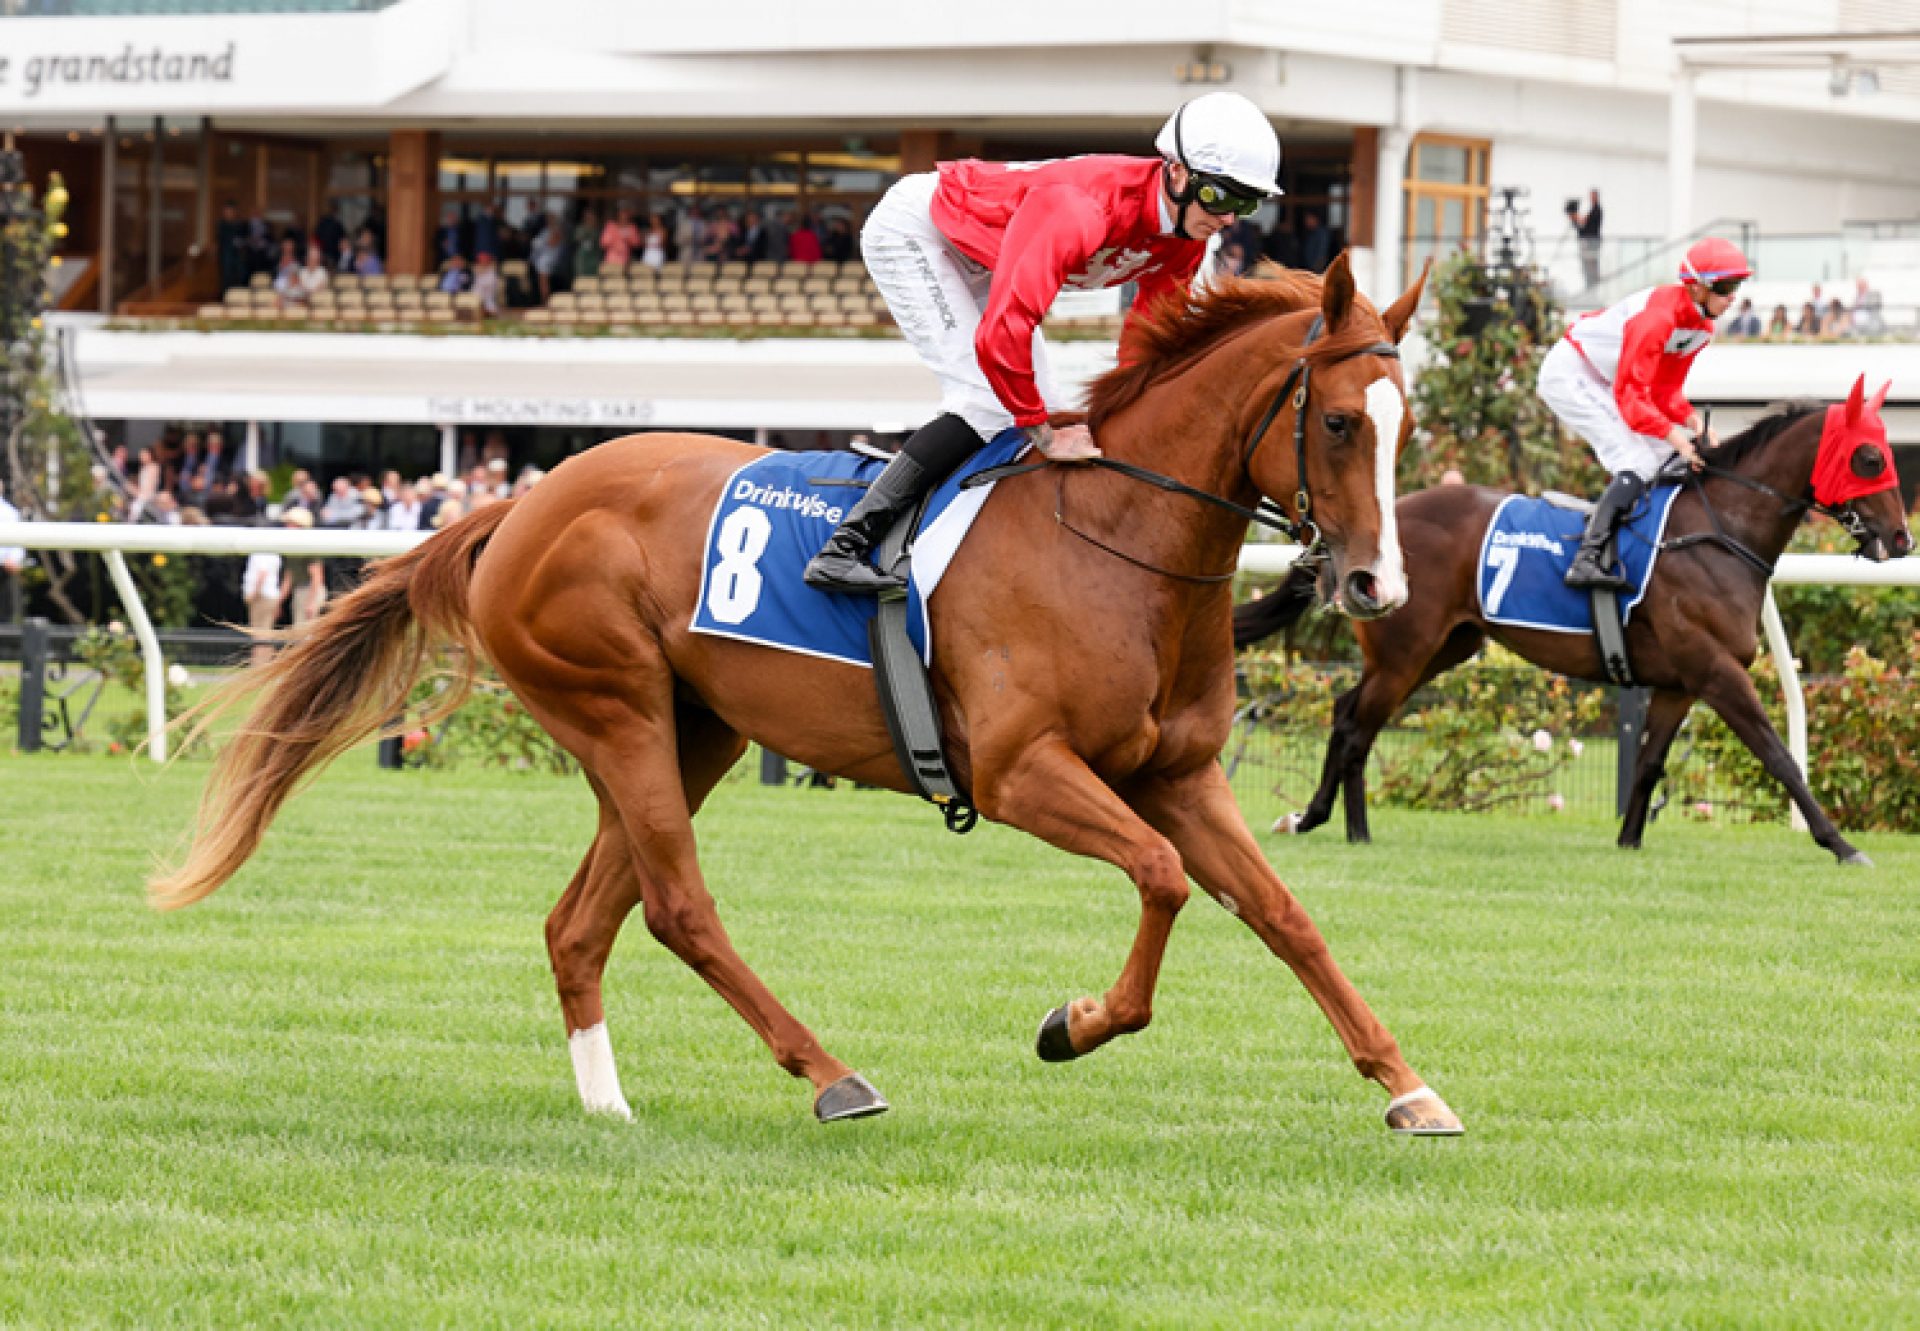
<point>117,540</point>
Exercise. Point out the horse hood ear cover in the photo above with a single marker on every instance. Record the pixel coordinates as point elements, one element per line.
<point>1848,426</point>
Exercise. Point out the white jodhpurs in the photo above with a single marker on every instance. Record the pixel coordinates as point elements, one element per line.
<point>937,296</point>
<point>1584,403</point>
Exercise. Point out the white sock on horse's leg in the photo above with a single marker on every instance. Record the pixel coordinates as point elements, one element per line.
<point>594,1072</point>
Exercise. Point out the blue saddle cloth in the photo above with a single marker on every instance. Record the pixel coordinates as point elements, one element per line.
<point>1529,546</point>
<point>774,515</point>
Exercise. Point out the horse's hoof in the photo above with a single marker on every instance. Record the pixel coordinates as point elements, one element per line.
<point>1055,1044</point>
<point>1423,1113</point>
<point>852,1096</point>
<point>1856,859</point>
<point>1287,824</point>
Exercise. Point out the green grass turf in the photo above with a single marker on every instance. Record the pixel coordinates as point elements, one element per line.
<point>336,1093</point>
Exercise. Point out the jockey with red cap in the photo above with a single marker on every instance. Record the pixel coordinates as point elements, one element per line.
<point>970,256</point>
<point>1617,380</point>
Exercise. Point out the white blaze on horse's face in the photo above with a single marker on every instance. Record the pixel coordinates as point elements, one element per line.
<point>1386,408</point>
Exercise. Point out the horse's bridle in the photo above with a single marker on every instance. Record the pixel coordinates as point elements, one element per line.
<point>1299,525</point>
<point>1843,513</point>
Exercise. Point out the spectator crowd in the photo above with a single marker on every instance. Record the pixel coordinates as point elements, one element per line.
<point>476,249</point>
<point>1820,317</point>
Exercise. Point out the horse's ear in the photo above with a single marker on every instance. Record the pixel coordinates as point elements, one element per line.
<point>1336,293</point>
<point>1856,399</point>
<point>1880,398</point>
<point>1399,314</point>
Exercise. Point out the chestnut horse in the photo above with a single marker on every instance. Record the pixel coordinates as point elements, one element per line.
<point>1692,637</point>
<point>1085,697</point>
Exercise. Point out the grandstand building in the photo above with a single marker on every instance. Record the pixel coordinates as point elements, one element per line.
<point>1790,124</point>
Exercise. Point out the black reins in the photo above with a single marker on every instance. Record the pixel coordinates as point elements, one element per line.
<point>1843,514</point>
<point>1299,525</point>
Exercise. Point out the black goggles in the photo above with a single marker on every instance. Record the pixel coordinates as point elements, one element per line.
<point>1222,200</point>
<point>1726,286</point>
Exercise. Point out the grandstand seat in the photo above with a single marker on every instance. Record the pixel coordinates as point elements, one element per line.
<point>734,268</point>
<point>704,302</point>
<point>769,318</point>
<point>563,300</point>
<point>757,285</point>
<point>345,282</point>
<point>375,282</point>
<point>853,300</point>
<point>794,268</point>
<point>823,301</point>
<point>261,280</point>
<point>582,285</point>
<point>467,305</point>
<point>213,311</point>
<point>794,302</point>
<point>829,318</point>
<point>710,318</point>
<point>801,318</point>
<point>238,296</point>
<point>860,319</point>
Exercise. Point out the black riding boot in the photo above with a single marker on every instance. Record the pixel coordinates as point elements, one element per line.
<point>924,461</point>
<point>1621,494</point>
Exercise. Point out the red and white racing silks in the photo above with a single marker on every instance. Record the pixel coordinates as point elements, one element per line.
<point>1644,347</point>
<point>1079,222</point>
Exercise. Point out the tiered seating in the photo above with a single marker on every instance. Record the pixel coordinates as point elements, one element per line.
<point>725,295</point>
<point>736,295</point>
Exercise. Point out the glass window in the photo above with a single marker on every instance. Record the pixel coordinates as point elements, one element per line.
<point>1444,164</point>
<point>462,175</point>
<point>517,175</point>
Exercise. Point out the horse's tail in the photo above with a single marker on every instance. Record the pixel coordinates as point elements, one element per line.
<point>1267,615</point>
<point>344,677</point>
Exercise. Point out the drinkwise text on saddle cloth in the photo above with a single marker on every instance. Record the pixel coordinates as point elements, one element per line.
<point>1530,540</point>
<point>785,497</point>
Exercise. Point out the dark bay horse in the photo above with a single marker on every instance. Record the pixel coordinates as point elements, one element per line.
<point>1694,636</point>
<point>581,593</point>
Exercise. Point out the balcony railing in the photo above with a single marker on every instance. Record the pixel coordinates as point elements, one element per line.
<point>174,8</point>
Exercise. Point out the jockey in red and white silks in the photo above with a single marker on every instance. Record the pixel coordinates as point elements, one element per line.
<point>1618,380</point>
<point>970,257</point>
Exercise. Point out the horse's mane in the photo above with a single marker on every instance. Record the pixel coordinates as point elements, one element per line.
<point>1777,419</point>
<point>1180,328</point>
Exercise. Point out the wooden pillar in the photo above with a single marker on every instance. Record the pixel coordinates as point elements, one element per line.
<point>109,179</point>
<point>923,149</point>
<point>413,193</point>
<point>1364,169</point>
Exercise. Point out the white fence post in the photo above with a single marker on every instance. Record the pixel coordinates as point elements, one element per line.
<point>156,665</point>
<point>1781,650</point>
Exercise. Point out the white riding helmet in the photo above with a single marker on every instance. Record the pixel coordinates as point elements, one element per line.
<point>1223,134</point>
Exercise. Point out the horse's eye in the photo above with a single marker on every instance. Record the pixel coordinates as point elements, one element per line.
<point>1868,462</point>
<point>1337,424</point>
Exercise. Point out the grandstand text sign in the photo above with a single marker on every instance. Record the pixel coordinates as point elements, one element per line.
<point>129,66</point>
<point>200,64</point>
<point>540,411</point>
